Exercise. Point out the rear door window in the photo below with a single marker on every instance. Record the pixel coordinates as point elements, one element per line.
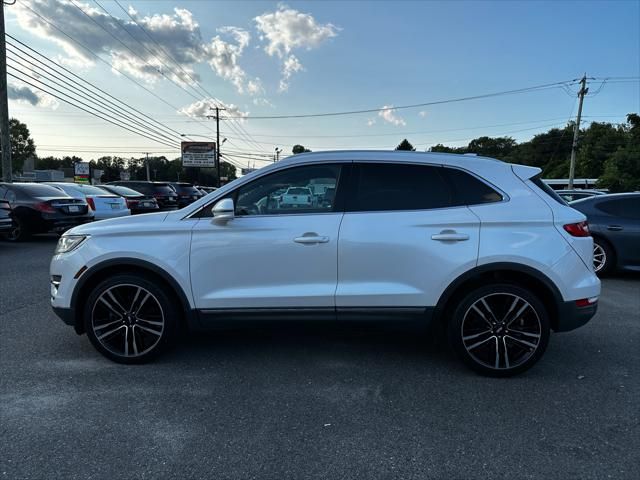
<point>378,187</point>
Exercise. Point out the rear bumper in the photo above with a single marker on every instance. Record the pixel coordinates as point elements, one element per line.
<point>570,316</point>
<point>62,224</point>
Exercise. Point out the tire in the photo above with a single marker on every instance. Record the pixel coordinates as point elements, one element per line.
<point>131,318</point>
<point>482,333</point>
<point>19,233</point>
<point>603,257</point>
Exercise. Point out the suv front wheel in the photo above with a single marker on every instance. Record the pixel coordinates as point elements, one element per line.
<point>129,318</point>
<point>499,330</point>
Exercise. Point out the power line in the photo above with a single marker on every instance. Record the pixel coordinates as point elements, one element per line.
<point>239,129</point>
<point>117,120</point>
<point>415,105</point>
<point>83,46</point>
<point>84,109</point>
<point>107,97</point>
<point>78,89</point>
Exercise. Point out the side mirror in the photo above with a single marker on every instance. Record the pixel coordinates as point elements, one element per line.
<point>223,211</point>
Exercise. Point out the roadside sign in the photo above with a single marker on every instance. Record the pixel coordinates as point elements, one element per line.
<point>198,154</point>
<point>81,172</point>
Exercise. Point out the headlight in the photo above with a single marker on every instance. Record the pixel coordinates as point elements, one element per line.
<point>69,242</point>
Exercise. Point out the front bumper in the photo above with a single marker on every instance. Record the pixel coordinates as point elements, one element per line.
<point>571,316</point>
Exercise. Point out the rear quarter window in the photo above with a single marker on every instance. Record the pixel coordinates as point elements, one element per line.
<point>537,181</point>
<point>469,190</point>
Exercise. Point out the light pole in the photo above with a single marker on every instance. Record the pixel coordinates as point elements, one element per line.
<point>278,150</point>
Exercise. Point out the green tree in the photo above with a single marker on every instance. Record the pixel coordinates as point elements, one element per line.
<point>299,149</point>
<point>22,145</point>
<point>498,147</point>
<point>622,169</point>
<point>405,145</point>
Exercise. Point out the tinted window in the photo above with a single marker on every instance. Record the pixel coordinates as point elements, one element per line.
<point>91,190</point>
<point>273,194</point>
<point>469,190</point>
<point>185,189</point>
<point>621,207</point>
<point>163,189</point>
<point>37,190</point>
<point>537,181</point>
<point>124,191</point>
<point>393,186</point>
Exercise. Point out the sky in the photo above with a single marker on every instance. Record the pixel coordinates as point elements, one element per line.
<point>173,60</point>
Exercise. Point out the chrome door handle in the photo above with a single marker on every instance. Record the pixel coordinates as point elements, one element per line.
<point>450,236</point>
<point>614,228</point>
<point>311,239</point>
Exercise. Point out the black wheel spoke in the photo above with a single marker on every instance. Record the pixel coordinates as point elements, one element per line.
<point>119,329</point>
<point>501,331</point>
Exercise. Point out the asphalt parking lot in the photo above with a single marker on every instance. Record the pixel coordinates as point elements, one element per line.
<point>309,403</point>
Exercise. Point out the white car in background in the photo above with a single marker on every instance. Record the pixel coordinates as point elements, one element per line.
<point>104,204</point>
<point>482,248</point>
<point>297,197</point>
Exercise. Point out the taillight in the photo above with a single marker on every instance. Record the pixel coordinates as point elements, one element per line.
<point>131,203</point>
<point>91,203</point>
<point>580,229</point>
<point>44,207</point>
<point>585,302</point>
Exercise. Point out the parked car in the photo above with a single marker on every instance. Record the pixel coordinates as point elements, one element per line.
<point>614,221</point>
<point>136,201</point>
<point>187,193</point>
<point>206,190</point>
<point>6,221</point>
<point>38,208</point>
<point>473,244</point>
<point>161,191</point>
<point>104,204</point>
<point>572,195</point>
<point>297,197</point>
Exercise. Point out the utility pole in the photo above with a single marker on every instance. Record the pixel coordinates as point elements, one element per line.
<point>5,138</point>
<point>574,146</point>
<point>217,109</point>
<point>147,162</point>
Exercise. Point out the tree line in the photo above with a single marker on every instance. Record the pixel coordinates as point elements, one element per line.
<point>606,151</point>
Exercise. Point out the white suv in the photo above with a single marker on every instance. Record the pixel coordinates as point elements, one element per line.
<point>480,247</point>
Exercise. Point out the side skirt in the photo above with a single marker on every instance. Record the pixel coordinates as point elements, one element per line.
<point>416,317</point>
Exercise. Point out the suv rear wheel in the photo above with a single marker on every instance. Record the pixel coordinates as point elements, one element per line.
<point>129,318</point>
<point>499,330</point>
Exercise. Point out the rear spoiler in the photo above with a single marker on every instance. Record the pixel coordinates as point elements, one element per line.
<point>524,172</point>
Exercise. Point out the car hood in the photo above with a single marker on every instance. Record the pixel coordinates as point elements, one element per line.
<point>131,223</point>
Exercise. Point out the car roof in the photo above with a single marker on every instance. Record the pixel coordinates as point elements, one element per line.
<point>386,155</point>
<point>606,197</point>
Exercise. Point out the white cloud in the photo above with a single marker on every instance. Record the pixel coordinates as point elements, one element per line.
<point>371,122</point>
<point>26,94</point>
<point>263,102</point>
<point>423,113</point>
<point>290,66</point>
<point>178,35</point>
<point>287,29</point>
<point>388,114</point>
<point>204,108</point>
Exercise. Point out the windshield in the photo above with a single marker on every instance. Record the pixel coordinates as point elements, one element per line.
<point>163,189</point>
<point>298,191</point>
<point>186,189</point>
